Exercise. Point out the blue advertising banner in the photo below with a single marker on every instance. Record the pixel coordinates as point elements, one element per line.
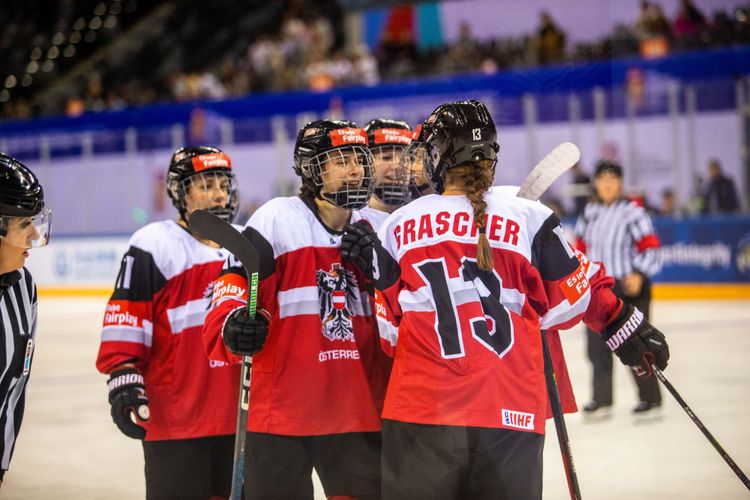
<point>711,249</point>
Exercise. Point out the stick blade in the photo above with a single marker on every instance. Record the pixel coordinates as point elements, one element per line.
<point>549,169</point>
<point>224,234</point>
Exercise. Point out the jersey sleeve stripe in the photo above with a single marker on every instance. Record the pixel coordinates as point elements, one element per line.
<point>190,314</point>
<point>388,332</point>
<point>127,334</point>
<point>564,313</point>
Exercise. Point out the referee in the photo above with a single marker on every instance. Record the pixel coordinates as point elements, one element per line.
<point>619,233</point>
<point>24,223</point>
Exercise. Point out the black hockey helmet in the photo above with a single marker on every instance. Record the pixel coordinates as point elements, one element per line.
<point>454,134</point>
<point>189,162</point>
<point>388,139</point>
<point>322,141</point>
<point>383,131</point>
<point>21,195</point>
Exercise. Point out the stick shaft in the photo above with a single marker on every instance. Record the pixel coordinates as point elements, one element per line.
<point>240,435</point>
<point>699,424</point>
<point>562,430</point>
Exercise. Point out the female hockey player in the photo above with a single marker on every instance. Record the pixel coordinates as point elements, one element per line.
<point>388,139</point>
<point>24,224</point>
<point>319,380</point>
<point>163,389</point>
<point>464,280</point>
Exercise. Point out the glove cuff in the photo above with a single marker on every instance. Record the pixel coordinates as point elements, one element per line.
<point>622,327</point>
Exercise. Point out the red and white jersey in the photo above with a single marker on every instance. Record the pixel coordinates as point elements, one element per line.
<point>374,216</point>
<point>321,370</point>
<point>467,342</point>
<point>154,318</point>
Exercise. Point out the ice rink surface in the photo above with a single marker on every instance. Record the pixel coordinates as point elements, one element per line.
<point>70,449</point>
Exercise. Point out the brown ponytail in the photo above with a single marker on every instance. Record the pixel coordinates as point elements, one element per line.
<point>476,179</point>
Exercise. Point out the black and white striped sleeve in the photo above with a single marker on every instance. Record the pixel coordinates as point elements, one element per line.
<point>18,320</point>
<point>647,256</point>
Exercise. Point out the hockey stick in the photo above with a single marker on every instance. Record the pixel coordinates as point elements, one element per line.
<point>222,233</point>
<point>547,171</point>
<point>700,426</point>
<point>562,431</point>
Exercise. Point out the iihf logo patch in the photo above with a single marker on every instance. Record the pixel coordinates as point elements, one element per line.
<point>337,289</point>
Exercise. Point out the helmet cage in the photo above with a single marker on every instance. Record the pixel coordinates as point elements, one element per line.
<point>327,173</point>
<point>391,175</point>
<point>179,188</point>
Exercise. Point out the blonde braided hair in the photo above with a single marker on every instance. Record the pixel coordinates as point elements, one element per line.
<point>476,178</point>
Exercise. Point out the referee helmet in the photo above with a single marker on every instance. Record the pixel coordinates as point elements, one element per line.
<point>21,195</point>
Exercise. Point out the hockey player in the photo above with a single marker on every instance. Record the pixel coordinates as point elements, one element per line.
<point>464,280</point>
<point>388,139</point>
<point>24,224</point>
<point>413,160</point>
<point>163,389</point>
<point>319,380</point>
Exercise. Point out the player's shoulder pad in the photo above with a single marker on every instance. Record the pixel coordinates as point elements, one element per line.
<point>371,215</point>
<point>156,236</point>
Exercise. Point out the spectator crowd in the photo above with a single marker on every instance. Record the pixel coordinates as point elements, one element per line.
<point>307,51</point>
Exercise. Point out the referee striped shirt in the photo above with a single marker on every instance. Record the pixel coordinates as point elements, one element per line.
<point>621,236</point>
<point>18,315</point>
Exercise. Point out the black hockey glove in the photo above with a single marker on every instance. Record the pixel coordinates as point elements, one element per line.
<point>357,246</point>
<point>243,335</point>
<point>636,341</point>
<point>127,396</point>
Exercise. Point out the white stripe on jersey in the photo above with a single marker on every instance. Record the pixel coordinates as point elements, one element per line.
<point>192,313</point>
<point>305,300</point>
<point>388,332</point>
<point>133,334</point>
<point>420,300</point>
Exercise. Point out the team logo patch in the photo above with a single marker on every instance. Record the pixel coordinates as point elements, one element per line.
<point>229,285</point>
<point>392,136</point>
<point>124,313</point>
<point>337,290</point>
<point>211,160</point>
<point>518,419</point>
<point>346,136</point>
<point>577,283</point>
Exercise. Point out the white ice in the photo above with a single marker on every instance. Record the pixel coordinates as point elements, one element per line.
<point>70,449</point>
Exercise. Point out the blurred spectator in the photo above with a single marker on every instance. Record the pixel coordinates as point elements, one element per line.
<point>651,22</point>
<point>668,206</point>
<point>653,31</point>
<point>550,40</point>
<point>720,194</point>
<point>463,55</point>
<point>688,23</point>
<point>365,66</point>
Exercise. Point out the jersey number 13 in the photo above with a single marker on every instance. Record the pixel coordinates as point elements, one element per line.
<point>494,330</point>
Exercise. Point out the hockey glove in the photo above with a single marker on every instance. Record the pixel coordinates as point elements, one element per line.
<point>243,335</point>
<point>357,246</point>
<point>127,396</point>
<point>636,341</point>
